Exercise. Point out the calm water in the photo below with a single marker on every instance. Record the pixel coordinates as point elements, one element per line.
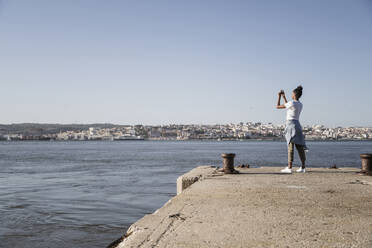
<point>85,194</point>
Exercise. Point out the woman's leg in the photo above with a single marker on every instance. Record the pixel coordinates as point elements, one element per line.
<point>301,153</point>
<point>290,154</point>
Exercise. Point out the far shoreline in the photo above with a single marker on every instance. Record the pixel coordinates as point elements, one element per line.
<point>188,140</point>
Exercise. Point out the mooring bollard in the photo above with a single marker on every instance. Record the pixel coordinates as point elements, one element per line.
<point>366,163</point>
<point>228,163</point>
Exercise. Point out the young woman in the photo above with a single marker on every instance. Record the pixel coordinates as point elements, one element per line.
<point>293,129</point>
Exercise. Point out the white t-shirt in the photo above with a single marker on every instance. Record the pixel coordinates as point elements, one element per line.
<point>293,110</point>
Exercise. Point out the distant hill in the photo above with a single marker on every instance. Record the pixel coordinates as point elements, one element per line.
<point>40,129</point>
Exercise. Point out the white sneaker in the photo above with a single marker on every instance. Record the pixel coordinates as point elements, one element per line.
<point>286,170</point>
<point>300,170</point>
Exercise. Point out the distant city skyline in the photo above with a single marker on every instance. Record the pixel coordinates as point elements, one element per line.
<point>184,62</point>
<point>178,124</point>
<point>238,131</point>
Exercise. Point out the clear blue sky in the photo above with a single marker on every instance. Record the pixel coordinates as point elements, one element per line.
<point>190,61</point>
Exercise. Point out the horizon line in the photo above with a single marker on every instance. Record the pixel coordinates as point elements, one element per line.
<point>200,124</point>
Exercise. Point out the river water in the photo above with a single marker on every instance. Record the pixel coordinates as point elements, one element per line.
<point>86,194</point>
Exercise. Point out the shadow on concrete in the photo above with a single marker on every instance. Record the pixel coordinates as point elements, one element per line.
<point>262,173</point>
<point>307,172</point>
<point>333,171</point>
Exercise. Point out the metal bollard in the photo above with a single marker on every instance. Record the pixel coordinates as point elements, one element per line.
<point>366,163</point>
<point>228,163</point>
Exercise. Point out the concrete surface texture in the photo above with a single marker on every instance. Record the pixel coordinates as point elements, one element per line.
<point>196,174</point>
<point>262,208</point>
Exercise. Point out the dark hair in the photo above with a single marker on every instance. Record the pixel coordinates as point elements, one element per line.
<point>298,91</point>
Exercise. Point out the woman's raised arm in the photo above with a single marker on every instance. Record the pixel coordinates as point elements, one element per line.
<point>285,98</point>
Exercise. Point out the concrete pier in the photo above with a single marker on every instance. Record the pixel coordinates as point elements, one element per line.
<point>261,208</point>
